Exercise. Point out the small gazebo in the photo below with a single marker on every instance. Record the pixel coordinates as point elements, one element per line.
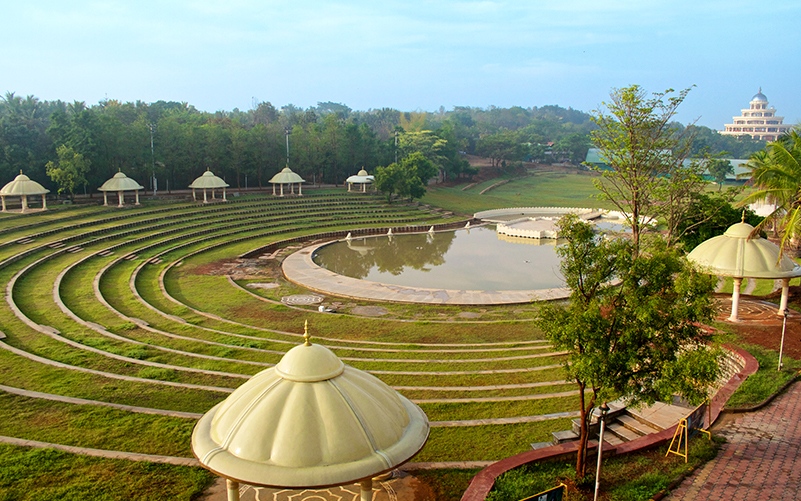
<point>208,181</point>
<point>120,183</point>
<point>22,186</point>
<point>362,178</point>
<point>736,254</point>
<point>287,176</point>
<point>309,422</point>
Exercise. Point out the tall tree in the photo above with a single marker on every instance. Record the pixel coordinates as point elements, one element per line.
<point>719,168</point>
<point>69,171</point>
<point>631,325</point>
<point>643,147</point>
<point>776,174</point>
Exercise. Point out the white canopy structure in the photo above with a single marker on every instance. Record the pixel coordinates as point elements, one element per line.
<point>735,254</point>
<point>309,422</point>
<point>22,186</point>
<point>361,178</point>
<point>120,183</point>
<point>287,176</point>
<point>208,181</point>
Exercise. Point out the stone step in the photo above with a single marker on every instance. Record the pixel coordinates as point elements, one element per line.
<point>560,437</point>
<point>636,425</point>
<point>619,430</point>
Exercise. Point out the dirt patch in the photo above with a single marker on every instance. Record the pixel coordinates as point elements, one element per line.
<point>239,269</point>
<point>761,325</point>
<point>369,311</point>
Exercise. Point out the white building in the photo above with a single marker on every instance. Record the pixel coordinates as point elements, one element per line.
<point>758,121</point>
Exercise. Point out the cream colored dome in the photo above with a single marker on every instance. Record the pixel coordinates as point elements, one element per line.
<point>120,182</point>
<point>208,181</point>
<point>310,421</point>
<point>734,254</point>
<point>286,176</point>
<point>23,185</point>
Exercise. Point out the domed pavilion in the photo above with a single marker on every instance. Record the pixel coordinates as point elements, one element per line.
<point>736,254</point>
<point>362,178</point>
<point>22,186</point>
<point>120,183</point>
<point>287,176</point>
<point>309,422</point>
<point>208,181</point>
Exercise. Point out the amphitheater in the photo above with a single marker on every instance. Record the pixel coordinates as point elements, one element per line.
<point>121,327</point>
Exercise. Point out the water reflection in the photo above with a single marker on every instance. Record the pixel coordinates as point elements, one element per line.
<point>474,259</point>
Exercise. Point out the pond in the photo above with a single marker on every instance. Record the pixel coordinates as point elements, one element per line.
<point>468,259</point>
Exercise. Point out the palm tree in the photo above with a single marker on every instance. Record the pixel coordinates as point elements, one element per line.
<point>776,175</point>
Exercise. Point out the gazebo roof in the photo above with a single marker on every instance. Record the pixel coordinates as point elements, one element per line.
<point>310,421</point>
<point>286,176</point>
<point>208,181</point>
<point>23,185</point>
<point>735,254</point>
<point>361,178</point>
<point>120,182</point>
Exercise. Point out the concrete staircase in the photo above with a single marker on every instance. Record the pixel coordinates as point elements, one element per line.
<point>624,424</point>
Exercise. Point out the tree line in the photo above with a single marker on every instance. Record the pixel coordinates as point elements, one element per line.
<point>168,144</point>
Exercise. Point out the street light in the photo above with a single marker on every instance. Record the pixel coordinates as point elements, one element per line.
<point>784,327</point>
<point>604,409</point>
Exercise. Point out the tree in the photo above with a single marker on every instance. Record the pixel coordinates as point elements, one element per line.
<point>390,180</point>
<point>631,325</point>
<point>776,174</point>
<point>719,168</point>
<point>644,150</point>
<point>69,171</point>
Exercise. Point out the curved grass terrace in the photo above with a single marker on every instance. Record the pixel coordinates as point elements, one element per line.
<point>146,318</point>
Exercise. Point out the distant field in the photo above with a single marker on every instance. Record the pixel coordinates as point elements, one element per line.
<point>548,189</point>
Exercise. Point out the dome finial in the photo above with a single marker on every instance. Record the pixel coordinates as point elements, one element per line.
<point>743,219</point>
<point>306,337</point>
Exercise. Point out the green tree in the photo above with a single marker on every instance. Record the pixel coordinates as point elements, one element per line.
<point>631,325</point>
<point>69,171</point>
<point>776,174</point>
<point>390,180</point>
<point>644,149</point>
<point>719,168</point>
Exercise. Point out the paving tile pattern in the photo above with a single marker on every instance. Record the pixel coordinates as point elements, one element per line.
<point>760,460</point>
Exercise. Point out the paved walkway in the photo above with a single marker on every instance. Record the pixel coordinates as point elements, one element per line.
<point>760,460</point>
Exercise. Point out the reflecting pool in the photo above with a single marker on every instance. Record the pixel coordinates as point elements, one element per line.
<point>474,259</point>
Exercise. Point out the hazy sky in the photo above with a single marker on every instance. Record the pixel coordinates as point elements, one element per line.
<point>409,55</point>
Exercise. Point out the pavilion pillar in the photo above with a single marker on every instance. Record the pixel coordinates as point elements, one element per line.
<point>105,199</point>
<point>282,189</point>
<point>366,489</point>
<point>44,202</point>
<point>194,198</point>
<point>300,188</point>
<point>205,199</point>
<point>735,299</point>
<point>233,489</point>
<point>121,198</point>
<point>24,200</point>
<point>785,294</point>
<point>137,197</point>
<point>291,188</point>
<point>3,201</point>
<point>364,187</point>
<point>224,199</point>
<point>273,189</point>
<point>349,186</point>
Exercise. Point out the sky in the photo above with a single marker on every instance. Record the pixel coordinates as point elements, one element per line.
<point>410,55</point>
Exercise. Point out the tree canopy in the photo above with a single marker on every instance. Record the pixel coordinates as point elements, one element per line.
<point>631,325</point>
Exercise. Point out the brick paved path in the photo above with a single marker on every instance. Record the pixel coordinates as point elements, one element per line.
<point>761,459</point>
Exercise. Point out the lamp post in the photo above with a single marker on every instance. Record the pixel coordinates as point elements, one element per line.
<point>152,159</point>
<point>784,327</point>
<point>604,409</point>
<point>287,131</point>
